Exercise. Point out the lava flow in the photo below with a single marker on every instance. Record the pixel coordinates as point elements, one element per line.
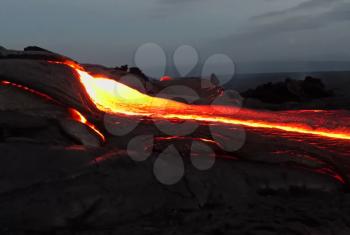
<point>113,97</point>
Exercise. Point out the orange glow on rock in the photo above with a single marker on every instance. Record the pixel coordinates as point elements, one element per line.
<point>77,116</point>
<point>165,78</point>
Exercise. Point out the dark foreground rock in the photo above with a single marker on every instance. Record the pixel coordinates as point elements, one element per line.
<point>55,190</point>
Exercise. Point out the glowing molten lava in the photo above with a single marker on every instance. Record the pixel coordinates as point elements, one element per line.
<point>116,98</point>
<point>76,115</point>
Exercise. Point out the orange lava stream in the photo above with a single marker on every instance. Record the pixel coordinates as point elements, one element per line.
<point>185,138</point>
<point>76,115</point>
<point>116,98</point>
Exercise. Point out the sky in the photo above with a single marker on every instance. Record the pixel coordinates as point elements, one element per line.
<point>110,31</point>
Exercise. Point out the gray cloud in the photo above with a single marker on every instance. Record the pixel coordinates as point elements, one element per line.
<point>109,31</point>
<point>310,31</point>
<point>313,14</point>
<point>302,7</point>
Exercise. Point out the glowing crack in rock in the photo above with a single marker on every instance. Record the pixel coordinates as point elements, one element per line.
<point>76,115</point>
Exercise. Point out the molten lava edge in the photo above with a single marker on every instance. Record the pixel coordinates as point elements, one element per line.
<point>113,97</point>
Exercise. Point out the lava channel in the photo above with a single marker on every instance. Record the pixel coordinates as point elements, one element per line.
<point>114,97</point>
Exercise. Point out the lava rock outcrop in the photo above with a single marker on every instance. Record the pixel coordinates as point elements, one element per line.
<point>289,91</point>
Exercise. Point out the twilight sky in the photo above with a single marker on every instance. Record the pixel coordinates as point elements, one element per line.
<point>109,31</point>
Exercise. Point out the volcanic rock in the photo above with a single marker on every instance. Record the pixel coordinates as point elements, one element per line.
<point>123,68</point>
<point>138,72</point>
<point>58,90</point>
<point>289,91</point>
<point>26,117</point>
<point>35,48</point>
<point>74,189</point>
<point>33,53</point>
